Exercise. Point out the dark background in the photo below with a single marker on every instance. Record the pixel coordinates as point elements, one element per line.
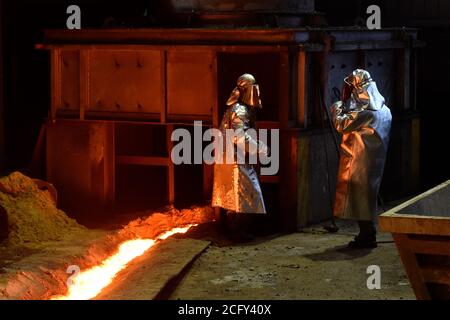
<point>24,71</point>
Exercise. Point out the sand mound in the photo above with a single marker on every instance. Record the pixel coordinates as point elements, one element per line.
<point>159,222</point>
<point>28,212</point>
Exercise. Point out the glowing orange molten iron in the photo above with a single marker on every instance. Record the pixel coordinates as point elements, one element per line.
<point>89,283</point>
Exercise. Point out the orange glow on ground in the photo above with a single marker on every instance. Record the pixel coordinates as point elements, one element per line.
<point>89,283</point>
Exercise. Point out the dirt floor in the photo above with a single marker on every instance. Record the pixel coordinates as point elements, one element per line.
<point>37,270</point>
<point>201,264</point>
<point>308,265</point>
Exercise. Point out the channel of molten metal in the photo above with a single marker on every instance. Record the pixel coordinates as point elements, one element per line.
<point>89,283</point>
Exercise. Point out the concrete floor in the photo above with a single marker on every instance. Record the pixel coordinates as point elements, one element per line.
<point>308,265</point>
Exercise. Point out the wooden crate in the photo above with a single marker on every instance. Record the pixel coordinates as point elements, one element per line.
<point>421,230</point>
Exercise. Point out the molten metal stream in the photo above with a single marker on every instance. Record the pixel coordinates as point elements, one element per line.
<point>89,283</point>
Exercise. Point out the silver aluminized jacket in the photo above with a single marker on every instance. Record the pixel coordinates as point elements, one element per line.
<point>236,186</point>
<point>365,122</point>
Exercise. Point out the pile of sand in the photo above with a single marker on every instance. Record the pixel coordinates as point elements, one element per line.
<point>159,222</point>
<point>29,214</point>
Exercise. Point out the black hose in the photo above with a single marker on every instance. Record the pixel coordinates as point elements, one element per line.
<point>333,228</point>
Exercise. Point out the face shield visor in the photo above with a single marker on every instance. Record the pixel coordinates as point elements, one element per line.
<point>246,92</point>
<point>354,93</point>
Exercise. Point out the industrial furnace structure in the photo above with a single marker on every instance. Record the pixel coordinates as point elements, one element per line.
<point>117,94</point>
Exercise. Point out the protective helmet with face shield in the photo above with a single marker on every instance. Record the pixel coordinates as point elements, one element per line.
<point>360,92</point>
<point>236,186</point>
<point>246,92</point>
<point>364,121</point>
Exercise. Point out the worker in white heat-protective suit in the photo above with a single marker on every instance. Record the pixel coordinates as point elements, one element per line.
<point>364,121</point>
<point>236,188</point>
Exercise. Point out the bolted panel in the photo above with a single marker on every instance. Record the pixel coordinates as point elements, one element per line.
<point>125,81</point>
<point>70,80</point>
<point>190,83</point>
<point>340,65</point>
<point>381,66</point>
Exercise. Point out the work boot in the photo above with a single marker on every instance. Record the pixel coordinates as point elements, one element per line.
<point>331,228</point>
<point>366,239</point>
<point>360,243</point>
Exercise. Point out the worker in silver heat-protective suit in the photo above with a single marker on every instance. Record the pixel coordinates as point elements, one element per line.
<point>365,122</point>
<point>236,188</point>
